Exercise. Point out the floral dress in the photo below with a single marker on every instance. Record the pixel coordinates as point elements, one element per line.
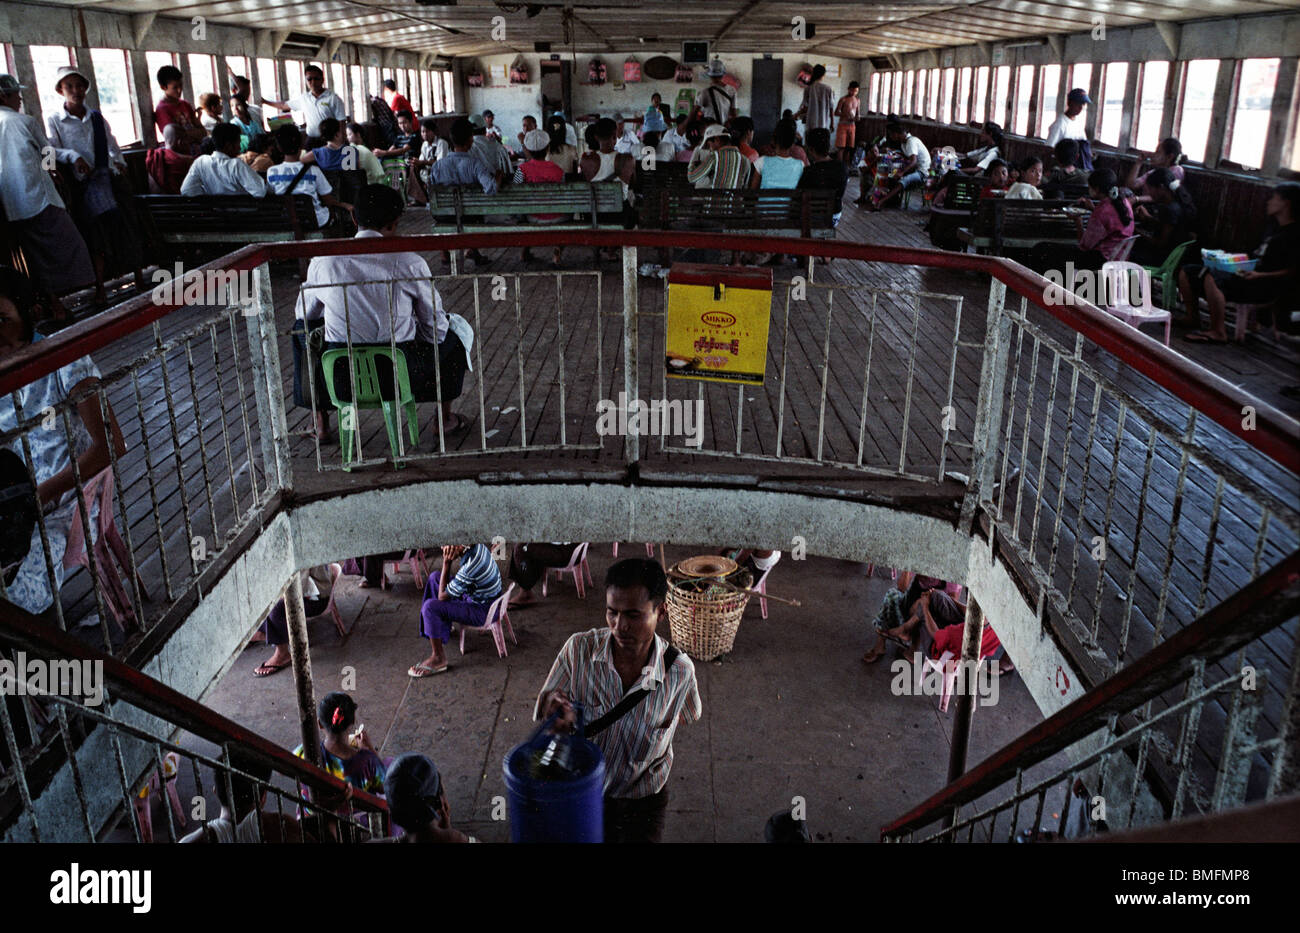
<point>47,441</point>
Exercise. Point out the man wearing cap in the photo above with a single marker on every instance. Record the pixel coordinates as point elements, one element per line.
<point>489,152</point>
<point>634,689</point>
<point>719,164</point>
<point>56,254</point>
<point>717,101</point>
<point>417,802</point>
<point>83,140</point>
<point>1070,125</point>
<point>539,170</point>
<point>818,102</point>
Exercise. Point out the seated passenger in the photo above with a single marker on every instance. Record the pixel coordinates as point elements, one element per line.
<point>333,155</point>
<point>239,818</point>
<point>1110,223</point>
<point>459,167</point>
<point>996,180</point>
<point>663,151</point>
<point>489,151</point>
<point>911,173</point>
<point>977,161</point>
<point>1277,274</point>
<point>780,170</point>
<point>539,170</point>
<point>246,116</point>
<point>166,164</point>
<point>825,173</point>
<point>462,598</point>
<point>1031,176</point>
<point>408,313</point>
<point>913,601</point>
<point>529,124</point>
<point>293,176</point>
<point>558,150</point>
<point>210,111</point>
<point>222,172</point>
<point>1067,181</point>
<point>407,141</point>
<point>719,164</point>
<point>275,628</point>
<point>1168,219</point>
<point>259,155</point>
<point>350,757</point>
<point>47,449</point>
<point>742,130</point>
<point>367,161</point>
<point>417,802</point>
<point>949,638</point>
<point>1169,156</point>
<point>675,135</point>
<point>432,148</point>
<point>528,564</point>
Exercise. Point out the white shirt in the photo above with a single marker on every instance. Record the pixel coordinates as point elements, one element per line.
<point>914,147</point>
<point>628,142</point>
<point>26,188</point>
<point>982,157</point>
<point>677,140</point>
<point>492,155</point>
<point>1023,191</point>
<point>313,183</point>
<point>314,109</point>
<point>74,138</point>
<point>1065,128</point>
<point>416,310</point>
<point>715,98</point>
<point>218,173</point>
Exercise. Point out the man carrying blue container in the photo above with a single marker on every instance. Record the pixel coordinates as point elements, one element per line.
<point>638,687</point>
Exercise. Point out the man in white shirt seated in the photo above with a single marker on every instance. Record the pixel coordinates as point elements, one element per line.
<point>674,135</point>
<point>914,170</point>
<point>397,305</point>
<point>220,172</point>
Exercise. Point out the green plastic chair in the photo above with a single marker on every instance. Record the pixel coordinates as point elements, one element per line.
<point>1165,275</point>
<point>369,394</point>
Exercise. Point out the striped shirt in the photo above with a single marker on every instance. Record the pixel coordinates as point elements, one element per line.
<point>478,579</point>
<point>725,168</point>
<point>638,748</point>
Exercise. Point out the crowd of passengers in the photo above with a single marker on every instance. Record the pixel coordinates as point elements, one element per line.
<point>1142,211</point>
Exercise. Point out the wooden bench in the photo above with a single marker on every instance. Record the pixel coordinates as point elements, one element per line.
<point>469,210</point>
<point>1018,224</point>
<point>227,219</point>
<point>803,212</point>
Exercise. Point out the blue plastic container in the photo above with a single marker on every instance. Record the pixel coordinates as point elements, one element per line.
<point>556,811</point>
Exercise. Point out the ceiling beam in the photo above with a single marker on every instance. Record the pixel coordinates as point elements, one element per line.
<point>1057,42</point>
<point>730,24</point>
<point>1172,33</point>
<point>140,23</point>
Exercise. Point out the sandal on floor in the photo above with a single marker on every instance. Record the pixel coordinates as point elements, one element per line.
<point>266,670</point>
<point>421,670</point>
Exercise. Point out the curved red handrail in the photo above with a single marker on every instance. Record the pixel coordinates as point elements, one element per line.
<point>1274,433</point>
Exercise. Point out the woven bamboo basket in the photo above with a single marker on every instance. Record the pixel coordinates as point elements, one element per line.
<point>703,616</point>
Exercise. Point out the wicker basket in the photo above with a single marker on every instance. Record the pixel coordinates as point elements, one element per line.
<point>703,619</point>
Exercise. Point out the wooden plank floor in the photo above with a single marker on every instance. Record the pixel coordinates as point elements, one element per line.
<point>576,327</point>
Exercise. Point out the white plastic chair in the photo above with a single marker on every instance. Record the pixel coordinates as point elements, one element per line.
<point>576,568</point>
<point>1117,279</point>
<point>761,589</point>
<point>498,623</point>
<point>946,667</point>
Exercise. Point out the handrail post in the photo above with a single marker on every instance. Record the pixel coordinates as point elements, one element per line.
<point>300,653</point>
<point>631,379</point>
<point>967,680</point>
<point>268,387</point>
<point>989,406</point>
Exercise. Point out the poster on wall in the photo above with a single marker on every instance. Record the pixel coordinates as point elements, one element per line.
<point>499,74</point>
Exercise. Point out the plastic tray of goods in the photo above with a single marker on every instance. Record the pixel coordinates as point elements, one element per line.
<point>1220,261</point>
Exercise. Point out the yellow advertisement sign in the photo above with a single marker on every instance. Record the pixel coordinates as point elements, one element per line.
<point>717,322</point>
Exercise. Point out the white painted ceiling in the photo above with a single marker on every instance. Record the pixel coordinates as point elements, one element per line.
<point>844,28</point>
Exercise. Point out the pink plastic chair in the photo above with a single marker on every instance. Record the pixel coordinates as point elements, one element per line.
<point>414,561</point>
<point>946,666</point>
<point>1124,249</point>
<point>331,608</point>
<point>144,800</point>
<point>577,568</point>
<point>1118,277</point>
<point>498,623</point>
<point>761,589</point>
<point>649,549</point>
<point>1244,313</point>
<point>108,545</point>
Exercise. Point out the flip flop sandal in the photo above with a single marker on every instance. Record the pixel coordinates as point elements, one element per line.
<point>420,671</point>
<point>266,670</point>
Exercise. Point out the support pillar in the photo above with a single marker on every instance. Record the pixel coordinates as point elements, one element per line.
<point>300,652</point>
<point>966,692</point>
